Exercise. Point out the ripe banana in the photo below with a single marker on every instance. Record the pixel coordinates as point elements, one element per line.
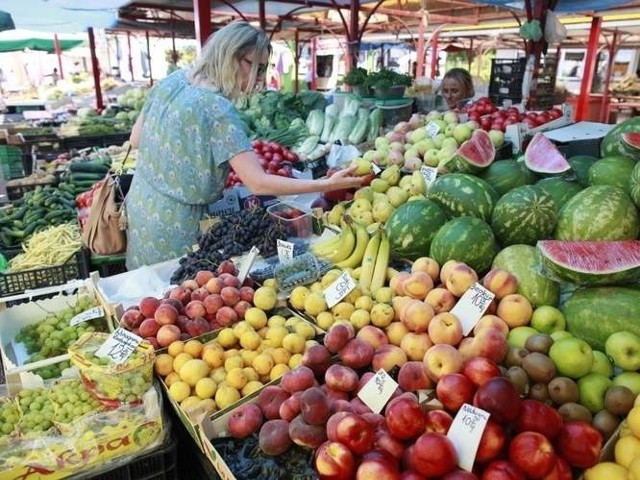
<point>346,246</point>
<point>369,262</point>
<point>327,246</point>
<point>382,262</point>
<point>362,239</point>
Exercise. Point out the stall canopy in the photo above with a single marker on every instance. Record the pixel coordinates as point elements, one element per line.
<point>18,40</point>
<point>563,6</point>
<point>6,21</point>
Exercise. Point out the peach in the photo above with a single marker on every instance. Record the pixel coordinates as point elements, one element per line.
<point>183,295</point>
<point>230,295</point>
<point>415,345</point>
<point>441,299</point>
<point>203,276</point>
<point>269,400</point>
<point>305,435</point>
<point>341,405</point>
<point>317,358</point>
<point>199,293</point>
<point>166,314</point>
<point>332,423</point>
<point>241,308</point>
<point>500,282</point>
<point>167,334</point>
<point>442,359</point>
<point>488,342</point>
<point>227,266</point>
<point>244,420</point>
<point>340,377</point>
<point>388,356</point>
<point>333,394</point>
<point>148,306</point>
<point>413,376</point>
<point>197,326</point>
<point>515,310</point>
<point>214,285</point>
<point>396,332</point>
<point>397,282</point>
<point>290,408</point>
<point>226,316</point>
<point>338,336</point>
<point>359,406</point>
<point>427,265</point>
<point>375,419</point>
<point>356,353</point>
<point>400,304</point>
<point>445,328</point>
<point>182,321</point>
<point>190,284</point>
<point>246,294</point>
<point>418,285</point>
<point>274,438</point>
<point>298,379</point>
<point>314,406</point>
<point>148,328</point>
<point>212,303</point>
<point>355,432</point>
<point>372,335</point>
<point>195,308</point>
<point>131,319</point>
<point>491,321</point>
<point>229,280</point>
<point>153,341</point>
<point>385,441</point>
<point>175,303</point>
<point>460,279</point>
<point>364,378</point>
<point>446,269</point>
<point>417,316</point>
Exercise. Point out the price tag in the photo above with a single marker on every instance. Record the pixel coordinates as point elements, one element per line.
<point>90,314</point>
<point>339,289</point>
<point>376,169</point>
<point>429,174</point>
<point>285,250</point>
<point>248,263</point>
<point>376,392</point>
<point>119,346</point>
<point>465,433</point>
<point>432,129</point>
<point>472,306</point>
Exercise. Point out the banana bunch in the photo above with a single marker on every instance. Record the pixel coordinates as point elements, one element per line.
<point>347,249</point>
<point>375,263</point>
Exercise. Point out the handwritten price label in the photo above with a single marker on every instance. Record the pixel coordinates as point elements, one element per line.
<point>429,174</point>
<point>339,289</point>
<point>377,391</point>
<point>465,433</point>
<point>376,169</point>
<point>248,263</point>
<point>432,129</point>
<point>96,312</point>
<point>472,306</point>
<point>285,250</point>
<point>119,346</point>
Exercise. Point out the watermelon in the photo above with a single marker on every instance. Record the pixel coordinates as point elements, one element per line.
<point>591,263</point>
<point>461,194</point>
<point>612,142</point>
<point>522,262</point>
<point>412,226</point>
<point>560,189</point>
<point>598,213</point>
<point>631,144</point>
<point>634,185</point>
<point>474,155</point>
<point>524,215</point>
<point>465,239</point>
<point>595,313</point>
<point>580,165</point>
<point>614,171</point>
<point>542,156</point>
<point>505,175</point>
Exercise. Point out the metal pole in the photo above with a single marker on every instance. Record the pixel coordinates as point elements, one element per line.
<point>262,16</point>
<point>589,67</point>
<point>96,70</point>
<point>314,64</point>
<point>434,56</point>
<point>296,39</point>
<point>604,108</point>
<point>149,58</point>
<point>130,57</point>
<point>58,50</point>
<point>354,33</point>
<point>202,20</point>
<point>420,48</point>
<point>470,54</point>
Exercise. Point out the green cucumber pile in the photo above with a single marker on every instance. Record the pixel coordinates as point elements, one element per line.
<point>82,175</point>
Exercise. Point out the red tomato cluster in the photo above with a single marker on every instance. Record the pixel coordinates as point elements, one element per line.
<point>480,107</point>
<point>500,119</point>
<point>273,157</point>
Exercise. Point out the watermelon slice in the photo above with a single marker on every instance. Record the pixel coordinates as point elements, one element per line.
<point>542,156</point>
<point>474,155</point>
<point>591,263</point>
<point>631,144</point>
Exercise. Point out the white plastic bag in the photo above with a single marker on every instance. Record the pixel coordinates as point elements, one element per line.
<point>341,155</point>
<point>554,31</point>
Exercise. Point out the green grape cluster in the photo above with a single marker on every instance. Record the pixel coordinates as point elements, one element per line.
<point>126,387</point>
<point>38,410</point>
<point>9,416</point>
<point>73,400</point>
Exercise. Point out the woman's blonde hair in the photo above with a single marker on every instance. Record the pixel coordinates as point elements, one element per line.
<point>463,77</point>
<point>221,55</point>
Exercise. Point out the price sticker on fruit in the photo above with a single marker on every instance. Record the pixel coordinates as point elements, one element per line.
<point>375,169</point>
<point>96,312</point>
<point>285,250</point>
<point>465,433</point>
<point>432,129</point>
<point>119,346</point>
<point>429,174</point>
<point>248,263</point>
<point>471,306</point>
<point>340,288</point>
<point>378,390</point>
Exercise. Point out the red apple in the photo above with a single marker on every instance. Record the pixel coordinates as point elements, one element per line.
<point>334,461</point>
<point>460,475</point>
<point>404,418</point>
<point>491,443</point>
<point>433,455</point>
<point>579,444</point>
<point>378,464</point>
<point>132,319</point>
<point>502,470</point>
<point>385,441</point>
<point>149,328</point>
<point>560,471</point>
<point>148,306</point>
<point>453,390</point>
<point>538,417</point>
<point>499,397</point>
<point>437,421</point>
<point>356,433</point>
<point>479,370</point>
<point>245,420</point>
<point>533,453</point>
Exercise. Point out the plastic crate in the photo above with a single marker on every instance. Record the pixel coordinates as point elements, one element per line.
<point>108,265</point>
<point>77,267</point>
<point>11,162</point>
<point>16,192</point>
<point>394,111</point>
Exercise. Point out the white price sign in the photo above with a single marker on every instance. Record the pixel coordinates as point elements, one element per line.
<point>285,250</point>
<point>472,306</point>
<point>432,129</point>
<point>248,263</point>
<point>96,312</point>
<point>376,169</point>
<point>376,392</point>
<point>339,289</point>
<point>429,174</point>
<point>465,434</point>
<point>119,346</point>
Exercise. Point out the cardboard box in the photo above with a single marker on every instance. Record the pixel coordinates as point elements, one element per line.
<point>582,138</point>
<point>229,203</point>
<point>519,132</point>
<point>249,201</point>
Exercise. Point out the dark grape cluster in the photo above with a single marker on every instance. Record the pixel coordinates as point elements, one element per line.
<point>233,235</point>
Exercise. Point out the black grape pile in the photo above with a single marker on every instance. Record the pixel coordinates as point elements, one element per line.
<point>232,235</point>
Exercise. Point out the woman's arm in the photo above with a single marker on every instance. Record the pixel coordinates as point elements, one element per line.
<point>254,177</point>
<point>134,138</point>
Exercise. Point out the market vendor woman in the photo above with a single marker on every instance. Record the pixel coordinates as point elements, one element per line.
<point>457,88</point>
<point>188,134</point>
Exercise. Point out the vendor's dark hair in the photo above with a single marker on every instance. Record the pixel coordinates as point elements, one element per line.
<point>463,77</point>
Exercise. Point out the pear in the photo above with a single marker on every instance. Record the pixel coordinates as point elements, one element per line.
<point>397,196</point>
<point>379,185</point>
<point>418,186</point>
<point>382,211</point>
<point>391,175</point>
<point>362,166</point>
<point>336,214</point>
<point>364,192</point>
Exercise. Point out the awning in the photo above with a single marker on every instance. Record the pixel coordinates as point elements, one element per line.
<point>6,21</point>
<point>564,6</point>
<point>18,40</point>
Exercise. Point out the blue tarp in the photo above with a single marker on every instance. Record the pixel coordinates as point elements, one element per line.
<point>564,6</point>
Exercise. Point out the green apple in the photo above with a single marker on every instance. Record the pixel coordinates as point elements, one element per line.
<point>601,364</point>
<point>593,387</point>
<point>548,319</point>
<point>624,348</point>
<point>517,336</point>
<point>631,380</point>
<point>572,357</point>
<point>560,334</point>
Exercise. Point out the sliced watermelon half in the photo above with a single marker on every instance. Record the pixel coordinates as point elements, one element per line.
<point>632,140</point>
<point>474,155</point>
<point>591,263</point>
<point>542,156</point>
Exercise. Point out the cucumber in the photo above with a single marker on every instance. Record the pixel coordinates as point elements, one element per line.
<point>54,214</point>
<point>80,177</point>
<point>89,167</point>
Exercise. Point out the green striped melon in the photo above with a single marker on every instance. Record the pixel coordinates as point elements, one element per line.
<point>580,165</point>
<point>412,226</point>
<point>505,175</point>
<point>472,156</point>
<point>560,189</point>
<point>595,313</point>
<point>634,185</point>
<point>614,170</point>
<point>522,261</point>
<point>601,212</point>
<point>465,239</point>
<point>631,144</point>
<point>524,215</point>
<point>461,194</point>
<point>612,142</point>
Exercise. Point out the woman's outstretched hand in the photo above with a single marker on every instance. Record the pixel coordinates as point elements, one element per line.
<point>344,179</point>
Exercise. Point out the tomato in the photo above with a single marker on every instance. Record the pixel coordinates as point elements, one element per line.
<point>268,155</point>
<point>554,113</point>
<point>485,123</point>
<point>277,157</point>
<point>513,111</point>
<point>542,119</point>
<point>531,122</point>
<point>257,145</point>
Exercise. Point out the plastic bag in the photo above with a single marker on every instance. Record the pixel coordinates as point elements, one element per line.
<point>554,31</point>
<point>341,155</point>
